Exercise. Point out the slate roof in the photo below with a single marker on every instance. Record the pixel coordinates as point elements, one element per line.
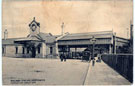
<point>75,36</point>
<point>28,39</point>
<point>10,41</point>
<point>49,38</point>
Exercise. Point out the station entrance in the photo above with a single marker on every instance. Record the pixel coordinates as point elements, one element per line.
<point>78,51</point>
<point>31,48</point>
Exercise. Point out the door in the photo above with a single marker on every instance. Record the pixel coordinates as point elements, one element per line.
<point>33,52</point>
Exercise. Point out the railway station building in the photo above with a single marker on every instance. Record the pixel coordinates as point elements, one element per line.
<point>45,45</point>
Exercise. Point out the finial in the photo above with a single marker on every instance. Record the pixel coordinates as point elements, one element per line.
<point>5,34</point>
<point>34,18</point>
<point>5,31</point>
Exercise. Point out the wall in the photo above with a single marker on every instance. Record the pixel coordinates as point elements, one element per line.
<point>48,54</point>
<point>122,63</point>
<point>10,51</point>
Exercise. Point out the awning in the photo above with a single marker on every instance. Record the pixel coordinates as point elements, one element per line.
<point>28,39</point>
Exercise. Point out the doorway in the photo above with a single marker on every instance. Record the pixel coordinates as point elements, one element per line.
<point>33,52</point>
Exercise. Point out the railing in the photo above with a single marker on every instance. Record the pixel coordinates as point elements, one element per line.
<point>122,63</point>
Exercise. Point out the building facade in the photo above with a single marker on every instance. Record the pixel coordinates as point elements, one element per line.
<point>46,45</point>
<point>36,44</point>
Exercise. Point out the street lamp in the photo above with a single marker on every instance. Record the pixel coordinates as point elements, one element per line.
<point>93,40</point>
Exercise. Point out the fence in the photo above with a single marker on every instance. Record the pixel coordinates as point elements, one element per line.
<point>122,63</point>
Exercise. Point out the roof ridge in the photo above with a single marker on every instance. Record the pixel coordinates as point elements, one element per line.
<point>90,32</point>
<point>14,38</point>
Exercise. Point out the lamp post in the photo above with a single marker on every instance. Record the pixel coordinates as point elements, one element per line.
<point>93,40</point>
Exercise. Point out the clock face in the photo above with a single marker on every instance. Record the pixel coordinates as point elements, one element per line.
<point>34,27</point>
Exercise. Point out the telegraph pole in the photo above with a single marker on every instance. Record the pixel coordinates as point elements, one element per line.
<point>93,40</point>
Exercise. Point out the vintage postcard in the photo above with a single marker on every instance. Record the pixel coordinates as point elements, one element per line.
<point>67,42</point>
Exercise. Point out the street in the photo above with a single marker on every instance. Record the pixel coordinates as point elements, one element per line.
<point>54,72</point>
<point>35,71</point>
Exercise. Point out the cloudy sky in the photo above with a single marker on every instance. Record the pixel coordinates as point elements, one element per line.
<point>78,16</point>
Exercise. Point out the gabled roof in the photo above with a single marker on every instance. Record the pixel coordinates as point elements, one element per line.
<point>56,36</point>
<point>75,36</point>
<point>47,37</point>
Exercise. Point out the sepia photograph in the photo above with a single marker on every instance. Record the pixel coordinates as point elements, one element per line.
<point>67,42</point>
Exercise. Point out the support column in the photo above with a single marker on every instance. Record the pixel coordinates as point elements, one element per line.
<point>110,49</point>
<point>115,43</point>
<point>57,49</point>
<point>25,52</point>
<point>43,50</point>
<point>75,51</point>
<point>68,50</point>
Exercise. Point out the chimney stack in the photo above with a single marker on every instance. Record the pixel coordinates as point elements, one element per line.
<point>62,27</point>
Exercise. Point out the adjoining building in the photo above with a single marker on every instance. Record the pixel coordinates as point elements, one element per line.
<point>46,45</point>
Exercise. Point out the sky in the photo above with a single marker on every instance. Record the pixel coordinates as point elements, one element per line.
<point>78,16</point>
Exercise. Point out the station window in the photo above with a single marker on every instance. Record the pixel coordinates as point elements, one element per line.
<point>51,50</point>
<point>16,50</point>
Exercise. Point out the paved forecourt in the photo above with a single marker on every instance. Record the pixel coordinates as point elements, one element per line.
<point>46,71</point>
<point>102,74</point>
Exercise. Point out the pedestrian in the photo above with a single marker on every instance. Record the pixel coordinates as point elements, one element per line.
<point>61,57</point>
<point>99,57</point>
<point>65,56</point>
<point>93,62</point>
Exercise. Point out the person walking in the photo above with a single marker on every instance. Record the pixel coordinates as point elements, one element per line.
<point>64,57</point>
<point>99,57</point>
<point>61,57</point>
<point>93,62</point>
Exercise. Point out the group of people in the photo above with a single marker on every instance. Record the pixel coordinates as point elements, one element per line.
<point>98,60</point>
<point>63,57</point>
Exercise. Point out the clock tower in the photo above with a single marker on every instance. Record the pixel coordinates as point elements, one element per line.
<point>34,27</point>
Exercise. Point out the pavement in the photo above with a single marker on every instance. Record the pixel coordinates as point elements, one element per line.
<point>102,74</point>
<point>34,71</point>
